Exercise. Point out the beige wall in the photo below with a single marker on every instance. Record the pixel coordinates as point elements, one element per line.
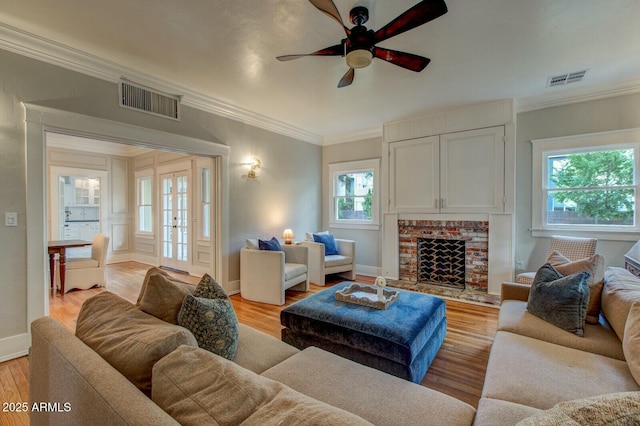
<point>287,193</point>
<point>368,243</point>
<point>616,113</point>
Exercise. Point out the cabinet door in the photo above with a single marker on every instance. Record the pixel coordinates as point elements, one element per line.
<point>472,175</point>
<point>414,176</point>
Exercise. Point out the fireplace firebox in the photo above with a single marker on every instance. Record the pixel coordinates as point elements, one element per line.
<point>441,262</point>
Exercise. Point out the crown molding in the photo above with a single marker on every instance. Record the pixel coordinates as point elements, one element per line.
<point>23,43</point>
<point>577,95</point>
<point>358,135</point>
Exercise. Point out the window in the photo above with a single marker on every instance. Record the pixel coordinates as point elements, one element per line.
<point>205,202</point>
<point>355,194</point>
<point>144,203</point>
<point>588,183</point>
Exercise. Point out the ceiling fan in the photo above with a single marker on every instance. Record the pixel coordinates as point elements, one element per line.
<point>359,47</point>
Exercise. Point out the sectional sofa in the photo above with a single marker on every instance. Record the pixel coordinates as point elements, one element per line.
<point>131,367</point>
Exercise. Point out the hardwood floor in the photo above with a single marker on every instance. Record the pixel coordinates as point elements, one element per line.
<point>458,369</point>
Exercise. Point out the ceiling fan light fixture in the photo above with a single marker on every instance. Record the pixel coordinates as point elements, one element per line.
<point>359,58</point>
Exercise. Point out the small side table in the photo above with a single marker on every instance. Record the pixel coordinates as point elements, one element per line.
<point>632,260</point>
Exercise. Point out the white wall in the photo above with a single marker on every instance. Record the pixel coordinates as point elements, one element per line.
<point>615,113</point>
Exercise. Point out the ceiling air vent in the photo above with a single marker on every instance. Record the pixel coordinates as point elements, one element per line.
<point>151,101</point>
<point>562,79</point>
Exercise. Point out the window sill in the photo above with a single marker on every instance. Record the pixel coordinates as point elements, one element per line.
<point>609,235</point>
<point>362,226</point>
<point>145,235</point>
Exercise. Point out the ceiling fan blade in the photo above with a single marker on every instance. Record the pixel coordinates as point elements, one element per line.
<point>337,50</point>
<point>421,13</point>
<point>347,79</point>
<point>329,8</point>
<point>402,59</point>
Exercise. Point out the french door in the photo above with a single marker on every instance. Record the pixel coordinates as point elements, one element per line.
<point>175,220</point>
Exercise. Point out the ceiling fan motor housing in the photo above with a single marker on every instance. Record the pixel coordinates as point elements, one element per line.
<point>359,47</point>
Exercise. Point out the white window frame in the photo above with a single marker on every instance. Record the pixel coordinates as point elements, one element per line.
<point>544,148</point>
<point>145,174</point>
<point>359,166</point>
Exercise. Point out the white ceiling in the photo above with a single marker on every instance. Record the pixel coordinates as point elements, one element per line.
<point>480,51</point>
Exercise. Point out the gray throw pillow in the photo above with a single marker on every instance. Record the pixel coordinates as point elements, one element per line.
<point>561,301</point>
<point>213,323</point>
<point>208,288</point>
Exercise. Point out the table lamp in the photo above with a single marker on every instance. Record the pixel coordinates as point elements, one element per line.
<point>288,236</point>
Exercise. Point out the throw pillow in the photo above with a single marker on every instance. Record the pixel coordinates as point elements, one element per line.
<point>198,388</point>
<point>621,408</point>
<point>561,301</point>
<point>163,297</point>
<point>150,272</point>
<point>209,289</point>
<point>273,244</point>
<point>213,323</point>
<point>594,265</point>
<point>329,242</point>
<point>130,340</point>
<point>631,341</point>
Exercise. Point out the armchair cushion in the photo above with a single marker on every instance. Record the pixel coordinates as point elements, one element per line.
<point>329,242</point>
<point>292,270</point>
<point>273,244</point>
<point>336,260</point>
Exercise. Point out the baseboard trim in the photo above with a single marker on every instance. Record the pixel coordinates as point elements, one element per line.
<point>14,346</point>
<point>369,271</point>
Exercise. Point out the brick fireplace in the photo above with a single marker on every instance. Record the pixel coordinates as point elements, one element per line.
<point>475,235</point>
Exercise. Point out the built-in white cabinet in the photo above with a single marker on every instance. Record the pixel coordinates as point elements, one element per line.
<point>461,172</point>
<point>81,230</point>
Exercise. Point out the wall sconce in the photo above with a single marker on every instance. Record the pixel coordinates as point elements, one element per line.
<point>254,165</point>
<point>288,236</point>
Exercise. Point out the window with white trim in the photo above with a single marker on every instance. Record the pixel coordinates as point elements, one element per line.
<point>355,194</point>
<point>587,183</point>
<point>205,202</point>
<point>144,202</point>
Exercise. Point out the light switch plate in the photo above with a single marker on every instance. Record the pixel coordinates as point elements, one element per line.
<point>10,219</point>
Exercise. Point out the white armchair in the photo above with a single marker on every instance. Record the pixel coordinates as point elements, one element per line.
<point>87,272</point>
<point>265,275</point>
<point>343,263</point>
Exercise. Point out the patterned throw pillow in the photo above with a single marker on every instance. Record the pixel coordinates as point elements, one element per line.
<point>329,242</point>
<point>208,288</point>
<point>561,301</point>
<point>213,322</point>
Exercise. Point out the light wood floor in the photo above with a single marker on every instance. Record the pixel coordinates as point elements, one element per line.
<point>458,369</point>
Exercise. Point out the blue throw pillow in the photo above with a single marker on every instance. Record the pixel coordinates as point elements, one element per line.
<point>559,300</point>
<point>272,244</point>
<point>329,242</point>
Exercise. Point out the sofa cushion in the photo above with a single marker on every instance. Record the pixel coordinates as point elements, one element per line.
<point>631,341</point>
<point>621,290</point>
<point>598,339</point>
<point>614,409</point>
<point>594,265</point>
<point>492,412</point>
<point>540,374</point>
<point>127,338</point>
<point>163,297</point>
<point>196,387</point>
<point>213,323</point>
<point>273,244</point>
<point>258,351</point>
<point>150,271</point>
<point>388,400</point>
<point>561,301</point>
<point>329,242</point>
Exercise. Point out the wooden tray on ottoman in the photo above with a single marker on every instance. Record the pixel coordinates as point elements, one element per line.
<point>366,295</point>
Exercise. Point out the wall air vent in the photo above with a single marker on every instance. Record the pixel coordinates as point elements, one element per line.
<point>563,79</point>
<point>144,99</point>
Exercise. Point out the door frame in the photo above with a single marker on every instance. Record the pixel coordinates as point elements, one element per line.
<point>40,119</point>
<point>186,168</point>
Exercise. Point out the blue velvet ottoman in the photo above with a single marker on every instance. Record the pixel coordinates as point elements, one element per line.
<point>401,340</point>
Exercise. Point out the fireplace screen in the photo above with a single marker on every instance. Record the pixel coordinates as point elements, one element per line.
<point>441,262</point>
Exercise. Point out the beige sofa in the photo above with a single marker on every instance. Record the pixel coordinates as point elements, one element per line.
<point>534,365</point>
<point>267,381</point>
